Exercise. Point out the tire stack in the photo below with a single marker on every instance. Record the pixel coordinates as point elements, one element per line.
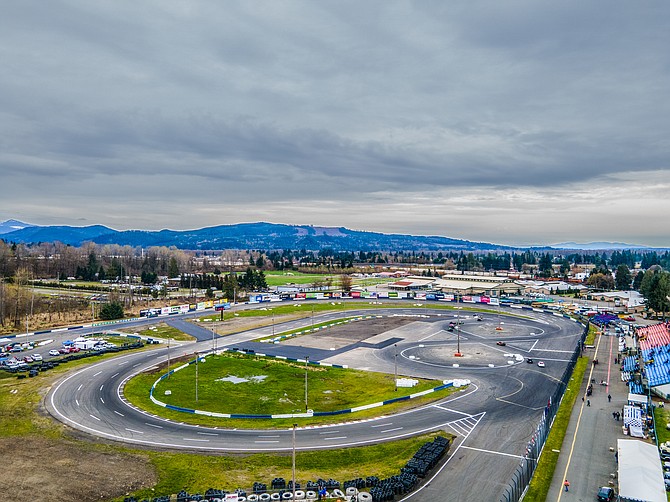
<point>259,488</point>
<point>278,484</point>
<point>212,494</point>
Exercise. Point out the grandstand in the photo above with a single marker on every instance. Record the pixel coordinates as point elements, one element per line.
<point>654,345</point>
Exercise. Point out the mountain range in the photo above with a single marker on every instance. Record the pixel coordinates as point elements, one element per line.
<point>266,236</point>
<point>261,235</point>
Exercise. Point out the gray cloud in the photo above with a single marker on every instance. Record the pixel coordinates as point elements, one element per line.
<point>206,112</point>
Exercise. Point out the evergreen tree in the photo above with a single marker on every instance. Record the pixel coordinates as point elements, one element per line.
<point>623,277</point>
<point>112,310</point>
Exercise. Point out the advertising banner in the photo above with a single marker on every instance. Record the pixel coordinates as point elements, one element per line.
<point>165,310</point>
<point>494,301</point>
<point>485,299</point>
<point>467,299</point>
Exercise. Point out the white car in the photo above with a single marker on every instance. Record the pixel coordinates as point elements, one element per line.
<point>53,352</point>
<point>37,357</point>
<point>540,364</point>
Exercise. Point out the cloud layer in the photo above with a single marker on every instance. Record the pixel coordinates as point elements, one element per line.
<point>518,122</point>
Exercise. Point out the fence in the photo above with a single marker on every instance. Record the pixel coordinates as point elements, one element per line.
<point>524,472</point>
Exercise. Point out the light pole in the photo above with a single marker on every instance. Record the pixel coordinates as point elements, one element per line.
<point>196,377</point>
<point>306,365</point>
<point>312,316</point>
<point>168,362</point>
<point>213,339</point>
<point>273,324</point>
<point>293,470</point>
<point>395,346</point>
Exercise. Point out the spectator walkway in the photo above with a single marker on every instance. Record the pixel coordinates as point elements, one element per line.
<point>586,460</point>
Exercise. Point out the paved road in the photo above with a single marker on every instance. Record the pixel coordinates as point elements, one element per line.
<point>585,458</point>
<point>493,419</point>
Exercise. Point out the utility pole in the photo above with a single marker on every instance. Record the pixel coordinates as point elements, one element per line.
<point>293,469</point>
<point>306,366</point>
<point>395,346</point>
<point>196,377</point>
<point>168,355</point>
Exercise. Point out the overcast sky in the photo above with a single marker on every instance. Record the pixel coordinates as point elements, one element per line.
<point>516,122</point>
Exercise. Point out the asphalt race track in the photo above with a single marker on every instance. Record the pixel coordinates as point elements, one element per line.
<point>493,418</point>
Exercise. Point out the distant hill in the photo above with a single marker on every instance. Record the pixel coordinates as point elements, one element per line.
<point>594,246</point>
<point>12,225</point>
<point>249,236</point>
<point>65,234</point>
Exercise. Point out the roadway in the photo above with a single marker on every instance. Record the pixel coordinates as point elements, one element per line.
<point>493,418</point>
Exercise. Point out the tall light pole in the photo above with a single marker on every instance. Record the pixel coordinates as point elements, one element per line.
<point>306,365</point>
<point>395,346</point>
<point>168,362</point>
<point>294,426</point>
<point>312,316</point>
<point>273,324</point>
<point>213,340</point>
<point>196,377</point>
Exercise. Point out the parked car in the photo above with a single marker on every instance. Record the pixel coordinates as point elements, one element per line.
<point>606,494</point>
<point>53,352</point>
<point>501,343</point>
<point>37,357</point>
<point>63,351</point>
<point>529,360</point>
<point>540,364</point>
<point>28,359</point>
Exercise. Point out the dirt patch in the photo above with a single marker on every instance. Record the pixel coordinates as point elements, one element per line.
<point>62,471</point>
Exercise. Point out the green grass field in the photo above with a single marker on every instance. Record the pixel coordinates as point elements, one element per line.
<point>274,387</point>
<point>162,330</point>
<point>196,473</point>
<point>279,278</point>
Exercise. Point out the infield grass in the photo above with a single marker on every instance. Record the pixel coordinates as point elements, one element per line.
<point>273,387</point>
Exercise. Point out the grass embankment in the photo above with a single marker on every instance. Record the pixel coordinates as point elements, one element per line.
<point>197,473</point>
<point>541,481</point>
<point>282,391</point>
<point>162,330</point>
<point>591,335</point>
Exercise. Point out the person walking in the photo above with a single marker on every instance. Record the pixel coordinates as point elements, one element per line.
<point>609,398</point>
<point>588,402</point>
<point>566,485</point>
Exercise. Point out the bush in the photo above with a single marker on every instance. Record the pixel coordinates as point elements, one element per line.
<point>109,311</point>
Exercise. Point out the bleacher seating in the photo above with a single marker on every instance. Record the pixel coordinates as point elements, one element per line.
<point>654,345</point>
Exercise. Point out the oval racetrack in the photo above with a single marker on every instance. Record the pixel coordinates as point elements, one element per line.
<point>494,417</point>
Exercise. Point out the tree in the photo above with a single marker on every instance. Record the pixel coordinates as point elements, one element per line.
<point>600,281</point>
<point>623,277</point>
<point>345,283</point>
<point>545,265</point>
<point>112,310</point>
<point>638,280</point>
<point>656,289</point>
<point>173,268</point>
<point>209,294</point>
